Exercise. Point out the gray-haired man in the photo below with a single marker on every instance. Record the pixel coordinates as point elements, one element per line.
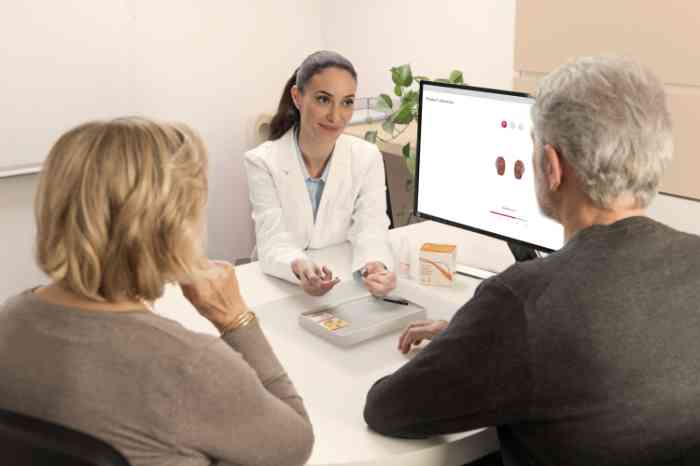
<point>590,356</point>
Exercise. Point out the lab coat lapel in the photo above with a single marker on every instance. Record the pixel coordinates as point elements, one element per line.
<point>338,176</point>
<point>299,195</point>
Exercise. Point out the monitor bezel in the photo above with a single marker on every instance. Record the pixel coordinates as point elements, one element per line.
<point>416,185</point>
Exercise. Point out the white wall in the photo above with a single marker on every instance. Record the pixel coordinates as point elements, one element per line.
<point>218,64</point>
<point>215,64</point>
<point>680,213</point>
<point>435,37</point>
<point>17,269</point>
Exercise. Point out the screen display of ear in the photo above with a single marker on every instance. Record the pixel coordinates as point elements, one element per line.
<point>474,164</point>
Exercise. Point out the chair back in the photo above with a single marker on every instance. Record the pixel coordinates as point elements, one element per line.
<point>389,209</point>
<point>26,441</point>
<point>512,452</point>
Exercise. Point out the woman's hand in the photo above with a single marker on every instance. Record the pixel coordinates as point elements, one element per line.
<point>378,280</point>
<point>315,280</point>
<point>418,331</point>
<point>217,296</point>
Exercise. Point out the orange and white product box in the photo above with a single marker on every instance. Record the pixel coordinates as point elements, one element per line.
<point>438,263</point>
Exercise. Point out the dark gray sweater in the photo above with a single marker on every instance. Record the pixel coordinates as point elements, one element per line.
<point>590,356</point>
<point>160,394</point>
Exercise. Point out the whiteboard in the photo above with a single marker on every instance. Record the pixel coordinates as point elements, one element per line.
<point>62,63</point>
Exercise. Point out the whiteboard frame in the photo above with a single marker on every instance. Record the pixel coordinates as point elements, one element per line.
<point>20,170</point>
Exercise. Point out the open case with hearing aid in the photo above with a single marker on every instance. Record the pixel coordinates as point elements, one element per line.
<point>360,319</point>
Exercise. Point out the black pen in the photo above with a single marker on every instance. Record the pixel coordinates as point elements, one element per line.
<point>396,301</point>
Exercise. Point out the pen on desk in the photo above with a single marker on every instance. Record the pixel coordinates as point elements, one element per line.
<point>396,301</point>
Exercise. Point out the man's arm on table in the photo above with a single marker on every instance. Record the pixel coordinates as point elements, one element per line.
<point>474,374</point>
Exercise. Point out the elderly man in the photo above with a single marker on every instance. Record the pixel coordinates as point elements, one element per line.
<point>590,356</point>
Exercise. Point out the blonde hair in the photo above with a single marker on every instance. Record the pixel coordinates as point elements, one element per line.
<point>119,208</point>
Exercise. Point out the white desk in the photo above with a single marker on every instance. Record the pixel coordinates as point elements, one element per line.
<point>334,381</point>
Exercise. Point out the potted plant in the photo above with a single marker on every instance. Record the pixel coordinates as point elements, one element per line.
<point>400,114</point>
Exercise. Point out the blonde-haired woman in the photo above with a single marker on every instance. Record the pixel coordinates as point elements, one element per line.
<point>119,213</point>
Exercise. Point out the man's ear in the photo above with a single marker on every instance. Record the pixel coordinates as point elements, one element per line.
<point>553,167</point>
<point>296,97</point>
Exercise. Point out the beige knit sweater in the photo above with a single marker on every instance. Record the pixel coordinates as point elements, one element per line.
<point>160,394</point>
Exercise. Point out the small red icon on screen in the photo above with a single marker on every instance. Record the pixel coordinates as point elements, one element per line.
<point>504,124</point>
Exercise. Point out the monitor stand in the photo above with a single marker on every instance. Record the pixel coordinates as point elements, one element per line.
<point>474,272</point>
<point>521,254</point>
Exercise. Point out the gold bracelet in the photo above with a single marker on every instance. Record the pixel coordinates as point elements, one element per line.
<point>241,321</point>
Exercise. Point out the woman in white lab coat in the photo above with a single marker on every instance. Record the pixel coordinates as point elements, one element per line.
<point>311,186</point>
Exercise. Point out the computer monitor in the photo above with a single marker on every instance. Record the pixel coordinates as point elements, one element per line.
<point>474,165</point>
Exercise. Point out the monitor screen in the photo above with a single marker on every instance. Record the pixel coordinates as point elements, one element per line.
<point>474,164</point>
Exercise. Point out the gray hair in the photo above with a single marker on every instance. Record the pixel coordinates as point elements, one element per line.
<point>607,117</point>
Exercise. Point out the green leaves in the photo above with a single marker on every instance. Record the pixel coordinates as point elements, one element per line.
<point>404,115</point>
<point>388,126</point>
<point>384,104</point>
<point>456,77</point>
<point>410,98</point>
<point>402,75</point>
<point>387,100</point>
<point>411,165</point>
<point>405,88</point>
<point>410,159</point>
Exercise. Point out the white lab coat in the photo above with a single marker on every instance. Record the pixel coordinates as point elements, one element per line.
<point>352,207</point>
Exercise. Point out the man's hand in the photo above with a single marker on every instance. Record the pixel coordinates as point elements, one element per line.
<point>418,331</point>
<point>315,280</point>
<point>378,280</point>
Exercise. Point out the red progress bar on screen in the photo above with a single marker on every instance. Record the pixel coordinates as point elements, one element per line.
<point>506,215</point>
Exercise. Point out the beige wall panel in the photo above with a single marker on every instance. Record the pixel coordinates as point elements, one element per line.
<point>528,85</point>
<point>664,35</point>
<point>683,174</point>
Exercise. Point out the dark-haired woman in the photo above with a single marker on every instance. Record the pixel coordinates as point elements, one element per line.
<point>311,186</point>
